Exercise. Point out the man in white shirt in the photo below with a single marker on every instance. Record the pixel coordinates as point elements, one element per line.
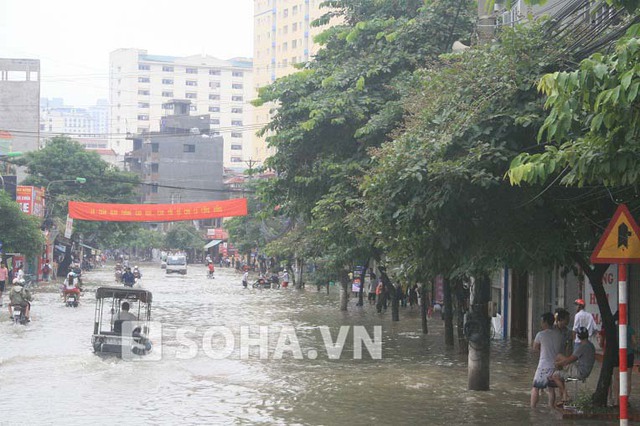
<point>582,319</point>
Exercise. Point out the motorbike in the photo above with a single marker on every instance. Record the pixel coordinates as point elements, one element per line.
<point>18,316</point>
<point>71,299</point>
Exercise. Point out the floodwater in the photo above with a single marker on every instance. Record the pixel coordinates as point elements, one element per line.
<point>49,374</point>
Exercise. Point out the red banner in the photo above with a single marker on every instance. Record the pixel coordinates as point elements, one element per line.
<point>157,212</point>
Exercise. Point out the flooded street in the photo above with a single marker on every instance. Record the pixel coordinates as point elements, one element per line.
<point>49,374</point>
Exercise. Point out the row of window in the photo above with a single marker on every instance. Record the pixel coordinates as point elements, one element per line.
<point>169,81</point>
<point>212,96</point>
<point>155,147</point>
<point>167,68</point>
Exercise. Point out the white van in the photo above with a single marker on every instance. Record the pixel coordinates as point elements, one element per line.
<point>177,264</point>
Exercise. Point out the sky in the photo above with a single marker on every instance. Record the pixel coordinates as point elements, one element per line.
<point>73,38</point>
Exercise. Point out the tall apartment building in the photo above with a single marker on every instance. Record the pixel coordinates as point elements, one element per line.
<point>19,106</point>
<point>142,86</point>
<point>283,37</point>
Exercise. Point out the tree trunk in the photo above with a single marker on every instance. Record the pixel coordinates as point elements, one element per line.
<point>300,267</point>
<point>424,308</point>
<point>363,274</point>
<point>344,291</point>
<point>448,313</point>
<point>462,296</point>
<point>477,332</point>
<point>391,292</point>
<point>595,275</point>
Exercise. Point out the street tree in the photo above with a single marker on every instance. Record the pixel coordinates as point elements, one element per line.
<point>591,141</point>
<point>19,232</point>
<point>347,100</point>
<point>57,166</point>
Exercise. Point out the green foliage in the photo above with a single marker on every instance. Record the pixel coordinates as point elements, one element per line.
<point>19,232</point>
<point>347,100</point>
<point>59,163</point>
<point>592,129</point>
<point>436,194</point>
<point>183,236</point>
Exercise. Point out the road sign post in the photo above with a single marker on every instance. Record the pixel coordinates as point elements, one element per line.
<point>620,244</point>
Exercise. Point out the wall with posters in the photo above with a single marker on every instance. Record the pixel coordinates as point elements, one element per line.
<point>31,200</point>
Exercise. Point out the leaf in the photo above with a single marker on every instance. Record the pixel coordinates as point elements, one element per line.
<point>360,84</point>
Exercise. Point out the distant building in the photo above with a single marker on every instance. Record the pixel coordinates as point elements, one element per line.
<point>182,162</point>
<point>141,87</point>
<point>58,119</point>
<point>283,37</point>
<point>19,105</point>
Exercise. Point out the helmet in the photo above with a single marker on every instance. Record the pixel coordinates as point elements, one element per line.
<point>135,267</point>
<point>579,302</point>
<point>16,281</point>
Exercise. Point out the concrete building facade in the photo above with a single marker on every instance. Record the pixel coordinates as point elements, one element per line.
<point>182,163</point>
<point>19,105</point>
<point>283,37</point>
<point>141,87</point>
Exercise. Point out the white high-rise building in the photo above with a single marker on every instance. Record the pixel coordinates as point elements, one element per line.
<point>141,85</point>
<point>283,37</point>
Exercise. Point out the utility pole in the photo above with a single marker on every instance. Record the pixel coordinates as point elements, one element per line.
<point>486,23</point>
<point>477,322</point>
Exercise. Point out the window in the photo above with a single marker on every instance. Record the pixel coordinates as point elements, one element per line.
<point>237,98</point>
<point>237,74</point>
<point>294,10</point>
<point>285,13</point>
<point>214,121</point>
<point>167,106</point>
<point>143,129</point>
<point>285,46</point>
<point>143,92</point>
<point>236,134</point>
<point>236,110</point>
<point>155,167</point>
<point>236,86</point>
<point>154,188</point>
<point>144,67</point>
<point>215,133</point>
<point>167,69</point>
<point>144,79</point>
<point>285,29</point>
<point>236,160</point>
<point>143,117</point>
<point>214,72</point>
<point>294,44</point>
<point>191,95</point>
<point>192,108</point>
<point>167,81</point>
<point>189,147</point>
<point>214,97</point>
<point>285,63</point>
<point>167,94</point>
<point>214,84</point>
<point>214,109</point>
<point>143,104</point>
<point>236,122</point>
<point>192,83</point>
<point>192,70</point>
<point>236,147</point>
<point>155,147</point>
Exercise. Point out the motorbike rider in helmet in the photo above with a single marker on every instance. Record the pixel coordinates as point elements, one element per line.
<point>19,295</point>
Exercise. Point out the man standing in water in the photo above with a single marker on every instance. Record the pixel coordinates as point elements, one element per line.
<point>549,343</point>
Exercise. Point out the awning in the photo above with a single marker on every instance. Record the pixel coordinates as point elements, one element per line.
<point>212,243</point>
<point>89,247</point>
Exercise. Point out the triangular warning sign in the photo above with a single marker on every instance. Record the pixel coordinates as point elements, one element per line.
<point>620,242</point>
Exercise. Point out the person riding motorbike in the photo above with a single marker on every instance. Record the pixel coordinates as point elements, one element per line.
<point>128,278</point>
<point>20,296</point>
<point>70,286</point>
<point>136,272</point>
